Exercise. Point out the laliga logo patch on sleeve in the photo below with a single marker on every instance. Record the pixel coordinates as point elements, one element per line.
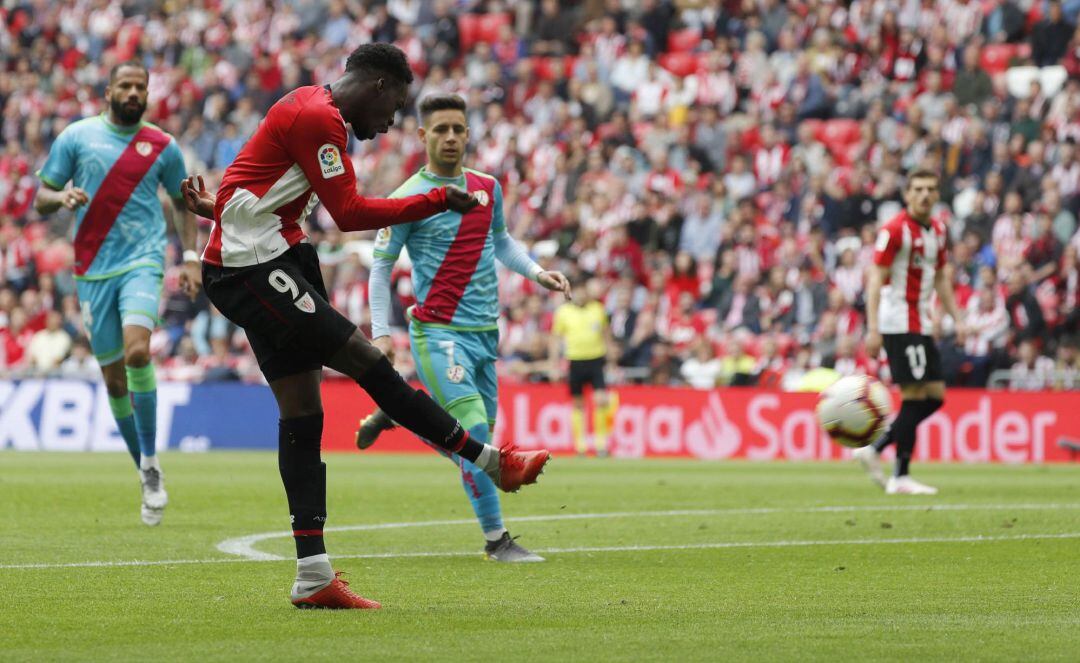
<point>330,162</point>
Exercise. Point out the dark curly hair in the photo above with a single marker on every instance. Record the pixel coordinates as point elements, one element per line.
<point>379,58</point>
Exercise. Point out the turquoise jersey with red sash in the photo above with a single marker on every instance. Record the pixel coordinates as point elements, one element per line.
<point>452,254</point>
<point>120,168</point>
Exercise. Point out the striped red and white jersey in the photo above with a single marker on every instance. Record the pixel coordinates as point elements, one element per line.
<point>913,253</point>
<point>295,160</point>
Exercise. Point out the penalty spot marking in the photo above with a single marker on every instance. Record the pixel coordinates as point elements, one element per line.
<point>584,549</point>
<point>244,546</point>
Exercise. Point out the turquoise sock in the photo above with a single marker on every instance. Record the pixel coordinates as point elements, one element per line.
<point>143,386</point>
<point>125,422</point>
<point>481,490</point>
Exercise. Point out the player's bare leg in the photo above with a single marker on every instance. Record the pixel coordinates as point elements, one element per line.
<point>415,410</point>
<point>603,416</point>
<point>577,424</point>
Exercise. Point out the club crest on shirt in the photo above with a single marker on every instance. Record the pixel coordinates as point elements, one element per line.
<point>482,197</point>
<point>330,162</point>
<point>143,148</point>
<point>382,239</point>
<point>455,373</point>
<point>306,303</point>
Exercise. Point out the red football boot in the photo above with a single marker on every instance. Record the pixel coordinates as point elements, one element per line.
<point>337,596</point>
<point>519,468</point>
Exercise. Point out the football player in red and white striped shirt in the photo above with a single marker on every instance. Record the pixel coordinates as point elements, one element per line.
<point>909,261</point>
<point>260,271</point>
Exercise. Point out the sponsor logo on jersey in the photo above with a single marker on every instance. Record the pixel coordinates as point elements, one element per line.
<point>330,162</point>
<point>306,303</point>
<point>482,197</point>
<point>143,148</point>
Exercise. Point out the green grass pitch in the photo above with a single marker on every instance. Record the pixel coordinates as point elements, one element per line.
<point>649,560</point>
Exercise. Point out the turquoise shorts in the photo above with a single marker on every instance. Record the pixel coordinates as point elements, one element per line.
<point>458,368</point>
<point>110,304</point>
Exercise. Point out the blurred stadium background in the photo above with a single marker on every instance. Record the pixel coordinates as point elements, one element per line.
<point>717,167</point>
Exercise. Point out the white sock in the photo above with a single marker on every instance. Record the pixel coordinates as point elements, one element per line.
<point>488,460</point>
<point>147,462</point>
<point>314,568</point>
<point>312,574</point>
<point>495,534</point>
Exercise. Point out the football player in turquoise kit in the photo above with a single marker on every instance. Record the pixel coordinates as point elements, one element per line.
<point>453,326</point>
<point>116,162</point>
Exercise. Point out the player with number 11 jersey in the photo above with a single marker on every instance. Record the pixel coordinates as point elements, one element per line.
<point>909,267</point>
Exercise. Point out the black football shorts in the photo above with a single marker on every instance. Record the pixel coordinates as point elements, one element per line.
<point>586,371</point>
<point>913,358</point>
<point>282,305</point>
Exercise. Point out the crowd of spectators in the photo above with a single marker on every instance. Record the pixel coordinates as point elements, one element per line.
<point>719,167</point>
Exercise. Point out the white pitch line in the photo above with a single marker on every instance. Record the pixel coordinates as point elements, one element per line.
<point>584,549</point>
<point>244,546</point>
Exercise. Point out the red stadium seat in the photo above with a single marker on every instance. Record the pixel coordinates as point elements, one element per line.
<point>547,69</point>
<point>488,27</point>
<point>841,131</point>
<point>468,29</point>
<point>683,41</point>
<point>753,346</point>
<point>815,125</point>
<point>995,58</point>
<point>680,64</point>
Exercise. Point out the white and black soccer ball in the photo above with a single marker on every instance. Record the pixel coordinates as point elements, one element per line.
<point>854,410</point>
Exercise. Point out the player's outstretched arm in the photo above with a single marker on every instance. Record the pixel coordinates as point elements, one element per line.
<point>511,253</point>
<point>353,212</point>
<point>317,144</point>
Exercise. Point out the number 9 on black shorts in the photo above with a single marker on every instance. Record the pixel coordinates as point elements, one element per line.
<point>912,358</point>
<point>282,305</point>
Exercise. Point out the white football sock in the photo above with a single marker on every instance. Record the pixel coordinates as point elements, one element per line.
<point>312,574</point>
<point>488,460</point>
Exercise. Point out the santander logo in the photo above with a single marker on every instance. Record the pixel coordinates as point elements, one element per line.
<point>713,435</point>
<point>975,426</point>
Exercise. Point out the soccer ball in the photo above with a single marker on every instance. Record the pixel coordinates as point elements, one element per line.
<point>855,410</point>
